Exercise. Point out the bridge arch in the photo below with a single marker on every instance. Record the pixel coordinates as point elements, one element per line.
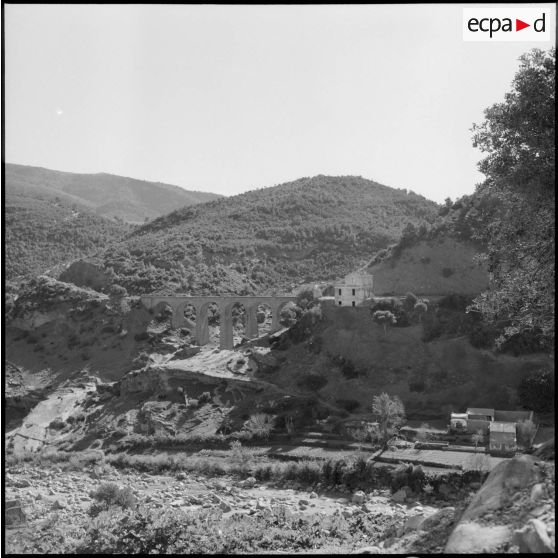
<point>201,304</point>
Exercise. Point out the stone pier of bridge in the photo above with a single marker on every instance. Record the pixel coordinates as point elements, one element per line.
<point>178,303</point>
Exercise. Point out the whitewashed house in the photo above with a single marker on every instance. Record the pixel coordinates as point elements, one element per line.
<point>354,289</point>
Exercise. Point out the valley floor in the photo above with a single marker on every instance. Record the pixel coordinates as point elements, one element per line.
<point>56,501</point>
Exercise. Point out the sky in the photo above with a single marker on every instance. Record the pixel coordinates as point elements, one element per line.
<point>233,98</point>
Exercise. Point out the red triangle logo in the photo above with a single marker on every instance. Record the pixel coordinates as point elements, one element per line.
<point>519,25</point>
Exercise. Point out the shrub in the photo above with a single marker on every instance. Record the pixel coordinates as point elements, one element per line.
<point>420,309</point>
<point>149,531</point>
<point>312,382</point>
<point>348,404</point>
<point>432,328</point>
<point>417,384</point>
<point>522,343</point>
<point>455,301</point>
<point>259,425</point>
<point>390,304</point>
<point>57,424</point>
<point>482,335</point>
<point>118,291</point>
<point>204,398</point>
<point>536,391</point>
<point>239,455</point>
<point>305,300</point>
<point>447,272</point>
<point>110,494</point>
<point>409,302</point>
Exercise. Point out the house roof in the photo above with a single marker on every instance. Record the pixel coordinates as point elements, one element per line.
<point>502,427</point>
<point>356,278</point>
<point>458,415</point>
<point>513,416</point>
<point>480,411</point>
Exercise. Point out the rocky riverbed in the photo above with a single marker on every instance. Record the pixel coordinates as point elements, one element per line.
<point>54,498</point>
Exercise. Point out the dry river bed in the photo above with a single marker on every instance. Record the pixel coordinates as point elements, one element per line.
<point>49,491</point>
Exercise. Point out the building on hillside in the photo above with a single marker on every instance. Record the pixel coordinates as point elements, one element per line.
<point>458,422</point>
<point>354,289</point>
<point>502,437</point>
<point>474,413</point>
<point>500,426</point>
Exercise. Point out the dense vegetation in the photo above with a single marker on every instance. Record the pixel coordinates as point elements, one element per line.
<point>517,137</point>
<point>510,218</point>
<point>275,238</point>
<point>462,219</point>
<point>41,233</point>
<point>127,199</point>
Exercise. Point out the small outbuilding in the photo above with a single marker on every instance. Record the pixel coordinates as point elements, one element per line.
<point>502,437</point>
<point>458,421</point>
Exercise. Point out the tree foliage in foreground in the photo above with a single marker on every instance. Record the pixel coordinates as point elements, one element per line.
<point>518,139</point>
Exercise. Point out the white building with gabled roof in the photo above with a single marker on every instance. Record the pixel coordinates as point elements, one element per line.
<point>354,289</point>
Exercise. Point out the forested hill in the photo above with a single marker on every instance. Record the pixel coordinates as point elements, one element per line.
<point>108,195</point>
<point>275,238</point>
<point>41,233</point>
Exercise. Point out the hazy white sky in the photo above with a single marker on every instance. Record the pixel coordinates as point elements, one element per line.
<point>231,98</point>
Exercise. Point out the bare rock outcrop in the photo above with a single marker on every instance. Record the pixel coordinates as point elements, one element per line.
<point>485,525</point>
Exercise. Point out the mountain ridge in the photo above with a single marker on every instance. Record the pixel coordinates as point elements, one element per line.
<point>109,195</point>
<point>270,238</point>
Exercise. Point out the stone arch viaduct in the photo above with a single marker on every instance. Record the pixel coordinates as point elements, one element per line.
<point>178,303</point>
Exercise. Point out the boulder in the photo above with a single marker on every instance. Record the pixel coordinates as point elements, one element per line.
<point>58,505</point>
<point>505,479</point>
<point>400,496</point>
<point>538,492</point>
<point>473,538</point>
<point>262,505</point>
<point>533,537</point>
<point>413,523</point>
<point>225,507</point>
<point>359,497</point>
<point>441,516</point>
<point>249,482</point>
<point>13,513</point>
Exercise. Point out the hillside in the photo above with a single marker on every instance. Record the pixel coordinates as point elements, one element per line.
<point>270,239</point>
<point>340,356</point>
<point>436,261</point>
<point>108,195</point>
<point>42,233</point>
<point>431,267</point>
